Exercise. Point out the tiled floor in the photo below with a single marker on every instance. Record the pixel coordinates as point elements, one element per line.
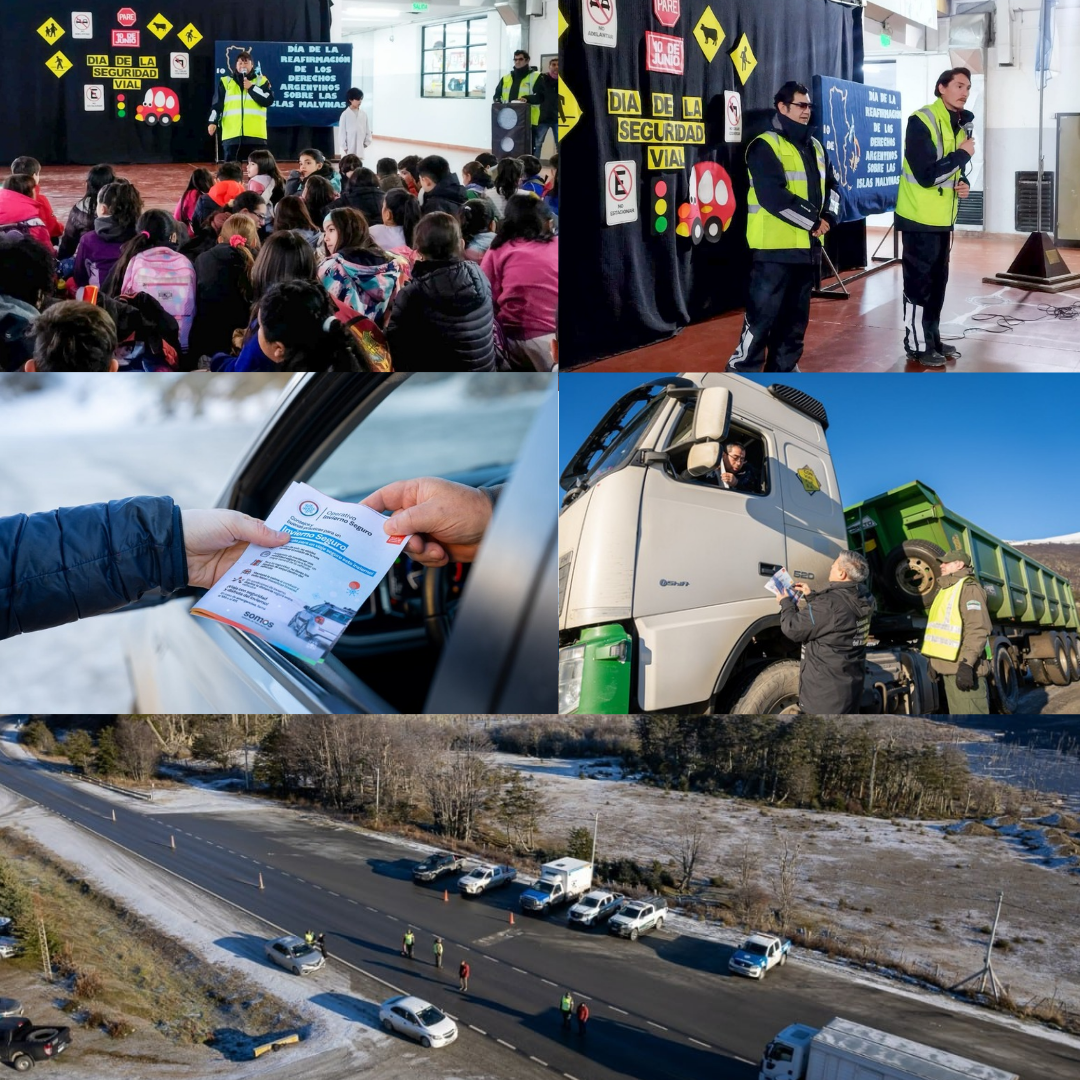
<point>865,333</point>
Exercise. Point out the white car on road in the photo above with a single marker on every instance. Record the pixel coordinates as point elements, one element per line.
<point>294,954</point>
<point>487,876</point>
<point>418,1019</point>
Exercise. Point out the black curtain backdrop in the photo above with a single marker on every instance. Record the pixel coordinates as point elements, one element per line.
<point>45,115</point>
<point>625,285</point>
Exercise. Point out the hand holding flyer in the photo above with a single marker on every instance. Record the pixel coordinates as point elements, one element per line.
<point>302,596</point>
<point>780,584</point>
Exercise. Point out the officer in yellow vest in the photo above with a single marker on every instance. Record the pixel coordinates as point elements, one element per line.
<point>792,202</point>
<point>956,634</point>
<point>937,150</point>
<point>519,85</point>
<point>240,104</point>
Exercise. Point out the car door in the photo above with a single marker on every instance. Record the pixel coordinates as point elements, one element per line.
<point>503,652</point>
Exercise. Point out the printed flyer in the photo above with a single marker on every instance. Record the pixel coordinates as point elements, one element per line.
<point>300,597</point>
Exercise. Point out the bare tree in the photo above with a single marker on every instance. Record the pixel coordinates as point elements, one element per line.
<point>138,749</point>
<point>749,901</point>
<point>786,878</point>
<point>691,841</point>
<point>520,805</point>
<point>459,784</point>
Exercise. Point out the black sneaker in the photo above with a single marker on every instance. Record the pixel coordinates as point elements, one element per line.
<point>948,351</point>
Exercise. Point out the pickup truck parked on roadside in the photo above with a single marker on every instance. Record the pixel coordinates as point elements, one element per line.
<point>595,907</point>
<point>561,882</point>
<point>485,877</point>
<point>22,1044</point>
<point>434,866</point>
<point>758,953</point>
<point>637,916</point>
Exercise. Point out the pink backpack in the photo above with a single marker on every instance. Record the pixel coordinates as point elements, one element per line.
<point>169,278</point>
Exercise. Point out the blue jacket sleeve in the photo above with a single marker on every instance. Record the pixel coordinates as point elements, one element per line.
<point>67,564</point>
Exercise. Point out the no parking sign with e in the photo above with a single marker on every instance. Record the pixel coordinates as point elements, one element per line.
<point>620,192</point>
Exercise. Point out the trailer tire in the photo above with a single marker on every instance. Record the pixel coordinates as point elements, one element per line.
<point>1005,684</point>
<point>1058,667</point>
<point>912,572</point>
<point>770,690</point>
<point>1072,644</point>
<point>1037,671</point>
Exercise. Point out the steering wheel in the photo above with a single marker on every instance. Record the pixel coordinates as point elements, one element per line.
<point>436,588</point>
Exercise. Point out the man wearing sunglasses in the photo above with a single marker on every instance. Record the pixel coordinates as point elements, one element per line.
<point>793,201</point>
<point>519,84</point>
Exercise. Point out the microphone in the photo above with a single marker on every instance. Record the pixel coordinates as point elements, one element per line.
<point>969,131</point>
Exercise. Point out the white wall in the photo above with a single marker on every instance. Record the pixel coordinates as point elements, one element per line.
<point>543,33</point>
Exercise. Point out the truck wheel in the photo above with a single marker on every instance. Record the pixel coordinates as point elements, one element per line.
<point>911,573</point>
<point>770,690</point>
<point>634,934</point>
<point>1037,671</point>
<point>22,1063</point>
<point>1058,668</point>
<point>1005,685</point>
<point>1072,644</point>
<point>783,959</point>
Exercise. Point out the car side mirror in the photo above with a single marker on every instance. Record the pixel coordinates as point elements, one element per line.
<point>712,416</point>
<point>703,458</point>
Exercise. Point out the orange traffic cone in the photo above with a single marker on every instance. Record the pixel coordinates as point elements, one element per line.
<point>446,896</point>
<point>511,918</point>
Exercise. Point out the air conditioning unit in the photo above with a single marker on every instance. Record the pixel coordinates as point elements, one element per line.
<point>534,7</point>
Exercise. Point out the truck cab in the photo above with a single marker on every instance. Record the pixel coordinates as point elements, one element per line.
<point>662,568</point>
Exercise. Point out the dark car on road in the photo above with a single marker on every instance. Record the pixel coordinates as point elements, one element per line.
<point>434,866</point>
<point>22,1044</point>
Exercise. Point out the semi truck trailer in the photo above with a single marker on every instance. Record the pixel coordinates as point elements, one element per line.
<point>662,569</point>
<point>854,1052</point>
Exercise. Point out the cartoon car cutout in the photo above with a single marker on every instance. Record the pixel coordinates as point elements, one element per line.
<point>320,623</point>
<point>160,105</point>
<point>711,206</point>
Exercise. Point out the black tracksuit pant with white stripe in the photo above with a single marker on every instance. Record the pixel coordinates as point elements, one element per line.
<point>926,273</point>
<point>777,313</point>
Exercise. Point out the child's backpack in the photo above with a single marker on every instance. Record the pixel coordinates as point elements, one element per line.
<point>169,278</point>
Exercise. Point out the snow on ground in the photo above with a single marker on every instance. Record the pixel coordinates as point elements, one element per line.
<point>914,890</point>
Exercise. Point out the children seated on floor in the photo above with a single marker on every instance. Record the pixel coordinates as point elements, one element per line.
<point>74,336</point>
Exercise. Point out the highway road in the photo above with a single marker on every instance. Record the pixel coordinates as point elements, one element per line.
<point>663,1008</point>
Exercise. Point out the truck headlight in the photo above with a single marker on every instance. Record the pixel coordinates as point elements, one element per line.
<point>571,669</point>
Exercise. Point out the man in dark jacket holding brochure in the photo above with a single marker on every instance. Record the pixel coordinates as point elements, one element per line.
<point>832,626</point>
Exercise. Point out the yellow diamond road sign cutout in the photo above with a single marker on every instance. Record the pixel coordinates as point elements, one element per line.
<point>569,109</point>
<point>59,64</point>
<point>159,26</point>
<point>189,36</point>
<point>51,30</point>
<point>563,24</point>
<point>709,33</point>
<point>742,56</point>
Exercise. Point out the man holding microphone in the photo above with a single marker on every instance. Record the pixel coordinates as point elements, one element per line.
<point>937,150</point>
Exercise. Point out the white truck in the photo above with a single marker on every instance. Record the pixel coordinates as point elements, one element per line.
<point>485,877</point>
<point>855,1052</point>
<point>758,954</point>
<point>561,882</point>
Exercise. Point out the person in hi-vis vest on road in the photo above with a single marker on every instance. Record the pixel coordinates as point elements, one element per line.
<point>957,630</point>
<point>793,201</point>
<point>240,104</point>
<point>519,85</point>
<point>937,150</point>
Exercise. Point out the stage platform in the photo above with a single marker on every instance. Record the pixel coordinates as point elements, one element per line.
<point>865,333</point>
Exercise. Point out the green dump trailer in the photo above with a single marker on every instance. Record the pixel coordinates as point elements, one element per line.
<point>906,533</point>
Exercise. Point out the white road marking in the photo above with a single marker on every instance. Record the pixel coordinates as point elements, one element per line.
<point>509,1046</point>
<point>652,1023</point>
<point>538,1061</point>
<point>613,1008</point>
<point>521,971</point>
<point>549,982</point>
<point>480,1030</point>
<point>700,1043</point>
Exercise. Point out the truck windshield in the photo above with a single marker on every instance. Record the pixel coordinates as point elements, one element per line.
<point>754,948</point>
<point>544,886</point>
<point>778,1051</point>
<point>616,437</point>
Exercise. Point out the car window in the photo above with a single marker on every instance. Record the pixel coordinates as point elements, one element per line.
<point>435,424</point>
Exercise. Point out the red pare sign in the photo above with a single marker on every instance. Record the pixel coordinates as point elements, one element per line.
<point>126,17</point>
<point>667,11</point>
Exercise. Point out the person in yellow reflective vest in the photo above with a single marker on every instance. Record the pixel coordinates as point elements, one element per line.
<point>937,150</point>
<point>793,201</point>
<point>957,630</point>
<point>519,84</point>
<point>241,99</point>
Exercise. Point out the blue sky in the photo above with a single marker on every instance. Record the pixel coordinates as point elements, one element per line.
<point>1000,450</point>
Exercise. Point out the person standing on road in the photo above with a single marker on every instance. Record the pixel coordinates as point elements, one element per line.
<point>566,1007</point>
<point>957,630</point>
<point>793,201</point>
<point>438,951</point>
<point>463,977</point>
<point>832,626</point>
<point>321,942</point>
<point>582,1017</point>
<point>938,148</point>
<point>309,937</point>
<point>407,943</point>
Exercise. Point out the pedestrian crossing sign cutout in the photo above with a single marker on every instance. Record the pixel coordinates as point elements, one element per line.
<point>709,34</point>
<point>51,30</point>
<point>59,64</point>
<point>563,24</point>
<point>742,56</point>
<point>159,26</point>
<point>189,36</point>
<point>569,110</point>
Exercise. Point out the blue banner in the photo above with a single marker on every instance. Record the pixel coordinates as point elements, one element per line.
<point>862,130</point>
<point>309,78</point>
